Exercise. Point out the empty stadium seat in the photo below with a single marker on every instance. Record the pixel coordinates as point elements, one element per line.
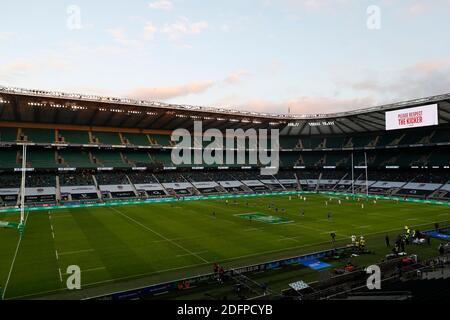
<point>109,138</point>
<point>38,135</point>
<point>75,137</point>
<point>137,139</point>
<point>8,134</point>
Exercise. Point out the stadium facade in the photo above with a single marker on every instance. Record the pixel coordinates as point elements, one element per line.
<point>84,148</point>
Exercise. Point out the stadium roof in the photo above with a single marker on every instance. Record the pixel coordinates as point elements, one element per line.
<point>38,106</point>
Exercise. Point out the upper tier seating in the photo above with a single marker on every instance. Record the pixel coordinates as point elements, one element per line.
<point>137,139</point>
<point>162,140</point>
<point>8,134</point>
<point>38,135</point>
<point>109,138</point>
<point>75,137</point>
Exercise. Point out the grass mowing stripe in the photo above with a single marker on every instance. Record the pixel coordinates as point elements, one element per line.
<point>14,261</point>
<point>159,235</point>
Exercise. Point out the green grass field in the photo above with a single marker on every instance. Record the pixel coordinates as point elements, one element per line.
<point>160,242</point>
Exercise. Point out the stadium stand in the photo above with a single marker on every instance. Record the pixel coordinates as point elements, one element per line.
<point>411,162</point>
<point>37,135</point>
<point>75,137</point>
<point>106,138</point>
<point>136,139</point>
<point>8,134</point>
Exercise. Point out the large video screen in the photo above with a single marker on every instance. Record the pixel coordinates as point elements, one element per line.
<point>412,118</point>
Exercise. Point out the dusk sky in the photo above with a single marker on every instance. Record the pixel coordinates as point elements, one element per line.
<point>265,55</point>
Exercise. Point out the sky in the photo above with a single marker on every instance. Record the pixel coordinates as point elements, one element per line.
<point>298,56</point>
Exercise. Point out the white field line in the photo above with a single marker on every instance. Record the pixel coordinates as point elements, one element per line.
<point>288,239</point>
<point>13,262</point>
<point>203,264</point>
<point>186,255</point>
<point>75,252</point>
<point>363,227</point>
<point>56,253</point>
<point>159,235</point>
<point>94,269</point>
<point>60,275</point>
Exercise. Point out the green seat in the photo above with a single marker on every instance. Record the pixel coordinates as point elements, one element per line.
<point>76,158</point>
<point>137,157</point>
<point>8,134</point>
<point>137,139</point>
<point>41,158</point>
<point>109,138</point>
<point>39,135</point>
<point>8,158</point>
<point>163,140</point>
<point>109,159</point>
<point>75,137</point>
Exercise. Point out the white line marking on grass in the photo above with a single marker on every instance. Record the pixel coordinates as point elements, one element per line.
<point>60,275</point>
<point>288,239</point>
<point>56,253</point>
<point>93,269</point>
<point>159,235</point>
<point>186,255</point>
<point>53,235</point>
<point>363,227</point>
<point>203,264</point>
<point>75,252</point>
<point>13,262</point>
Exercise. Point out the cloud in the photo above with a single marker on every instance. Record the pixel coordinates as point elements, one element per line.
<point>236,76</point>
<point>424,78</point>
<point>164,5</point>
<point>170,92</point>
<point>16,69</point>
<point>417,8</point>
<point>297,104</point>
<point>310,105</point>
<point>184,27</point>
<point>5,36</point>
<point>120,37</point>
<point>149,31</point>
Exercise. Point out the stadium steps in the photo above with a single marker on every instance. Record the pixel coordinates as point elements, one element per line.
<point>374,142</point>
<point>157,180</point>
<point>136,193</point>
<point>97,188</point>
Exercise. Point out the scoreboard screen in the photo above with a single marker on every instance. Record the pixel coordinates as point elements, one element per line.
<point>412,118</point>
